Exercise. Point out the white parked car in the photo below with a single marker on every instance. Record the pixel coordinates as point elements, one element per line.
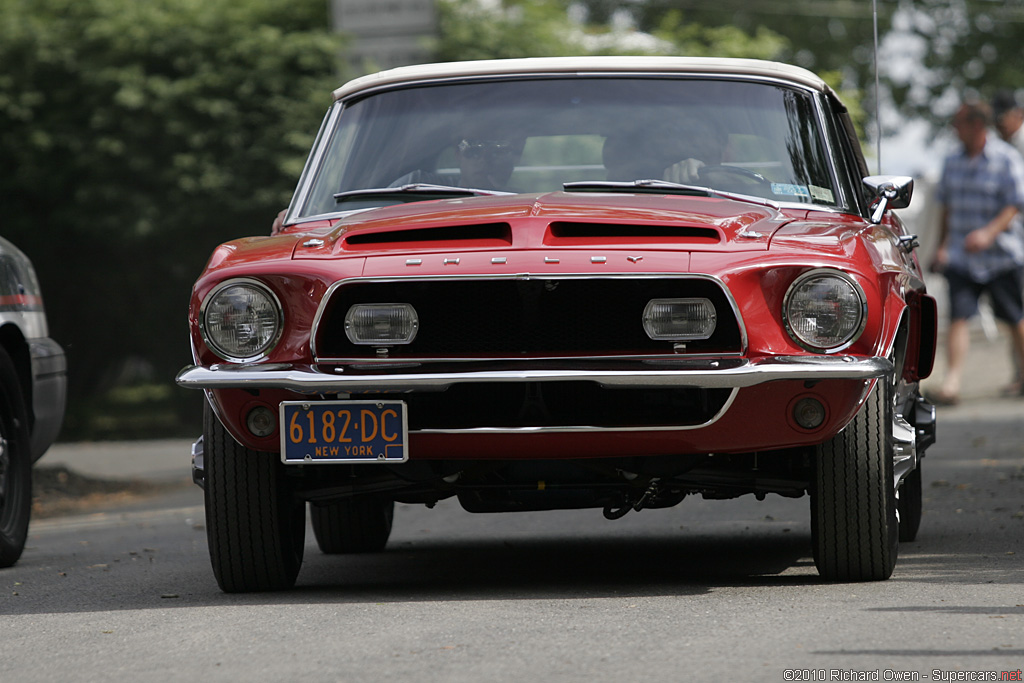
<point>33,383</point>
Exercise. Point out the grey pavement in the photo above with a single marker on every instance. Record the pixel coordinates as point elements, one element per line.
<point>158,461</point>
<point>988,368</point>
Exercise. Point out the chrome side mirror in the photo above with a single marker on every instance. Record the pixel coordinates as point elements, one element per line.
<point>890,192</point>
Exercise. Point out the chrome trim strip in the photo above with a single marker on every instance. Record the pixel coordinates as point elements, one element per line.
<point>306,379</point>
<point>825,129</point>
<point>786,80</point>
<point>904,449</point>
<point>416,360</point>
<point>521,276</point>
<point>313,165</point>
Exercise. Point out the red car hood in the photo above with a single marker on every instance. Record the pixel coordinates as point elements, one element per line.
<point>552,221</point>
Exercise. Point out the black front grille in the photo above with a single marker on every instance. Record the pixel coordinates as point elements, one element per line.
<point>558,404</point>
<point>526,318</point>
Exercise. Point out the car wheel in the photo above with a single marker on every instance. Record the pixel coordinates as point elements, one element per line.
<point>909,505</point>
<point>854,527</point>
<point>15,465</point>
<point>353,525</point>
<point>255,524</point>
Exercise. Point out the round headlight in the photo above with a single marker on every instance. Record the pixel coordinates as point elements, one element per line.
<point>824,310</point>
<point>241,320</point>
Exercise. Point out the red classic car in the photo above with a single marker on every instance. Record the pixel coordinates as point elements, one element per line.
<point>567,283</point>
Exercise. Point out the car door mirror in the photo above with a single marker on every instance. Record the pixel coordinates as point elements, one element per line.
<point>888,192</point>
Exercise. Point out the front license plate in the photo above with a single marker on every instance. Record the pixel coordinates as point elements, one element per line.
<point>344,431</point>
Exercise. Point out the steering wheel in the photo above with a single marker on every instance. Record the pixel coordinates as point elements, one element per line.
<point>744,173</point>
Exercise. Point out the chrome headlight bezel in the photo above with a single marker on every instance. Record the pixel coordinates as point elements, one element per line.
<point>234,354</point>
<point>858,311</point>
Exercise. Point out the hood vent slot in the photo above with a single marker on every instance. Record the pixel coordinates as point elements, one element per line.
<point>617,233</point>
<point>482,235</point>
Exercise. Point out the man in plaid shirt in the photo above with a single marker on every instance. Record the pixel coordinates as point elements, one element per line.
<point>981,247</point>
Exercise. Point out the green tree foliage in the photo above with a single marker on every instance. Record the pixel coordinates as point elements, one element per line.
<point>697,40</point>
<point>965,48</point>
<point>472,29</point>
<point>821,35</point>
<point>136,136</point>
<point>933,52</point>
<point>469,29</point>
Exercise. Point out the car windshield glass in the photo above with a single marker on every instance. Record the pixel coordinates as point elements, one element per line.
<point>536,134</point>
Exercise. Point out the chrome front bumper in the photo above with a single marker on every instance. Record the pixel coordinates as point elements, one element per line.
<point>708,374</point>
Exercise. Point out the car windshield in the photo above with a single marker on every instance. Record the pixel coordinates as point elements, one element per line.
<point>535,135</point>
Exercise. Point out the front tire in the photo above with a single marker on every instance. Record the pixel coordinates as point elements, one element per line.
<point>854,527</point>
<point>15,465</point>
<point>352,525</point>
<point>255,524</point>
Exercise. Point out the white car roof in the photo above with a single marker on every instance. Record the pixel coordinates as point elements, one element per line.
<point>602,64</point>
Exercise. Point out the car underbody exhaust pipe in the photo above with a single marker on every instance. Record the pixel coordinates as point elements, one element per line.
<point>646,499</point>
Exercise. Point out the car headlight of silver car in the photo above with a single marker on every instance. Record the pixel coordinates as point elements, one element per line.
<point>381,324</point>
<point>241,320</point>
<point>680,319</point>
<point>824,310</point>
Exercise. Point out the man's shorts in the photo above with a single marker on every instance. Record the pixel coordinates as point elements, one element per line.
<point>1005,292</point>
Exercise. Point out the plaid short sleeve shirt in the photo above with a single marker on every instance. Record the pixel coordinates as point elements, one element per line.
<point>975,190</point>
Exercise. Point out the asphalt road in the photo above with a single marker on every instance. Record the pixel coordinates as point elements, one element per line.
<point>705,591</point>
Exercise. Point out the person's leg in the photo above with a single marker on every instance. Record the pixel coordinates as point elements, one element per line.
<point>957,346</point>
<point>1017,348</point>
<point>963,304</point>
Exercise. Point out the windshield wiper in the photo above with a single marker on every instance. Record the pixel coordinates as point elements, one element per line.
<point>654,186</point>
<point>643,185</point>
<point>416,190</point>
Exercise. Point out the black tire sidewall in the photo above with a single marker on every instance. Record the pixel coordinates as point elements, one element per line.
<point>16,509</point>
<point>255,525</point>
<point>853,503</point>
<point>354,525</point>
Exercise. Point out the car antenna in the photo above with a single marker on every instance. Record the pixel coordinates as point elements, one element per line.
<point>878,120</point>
